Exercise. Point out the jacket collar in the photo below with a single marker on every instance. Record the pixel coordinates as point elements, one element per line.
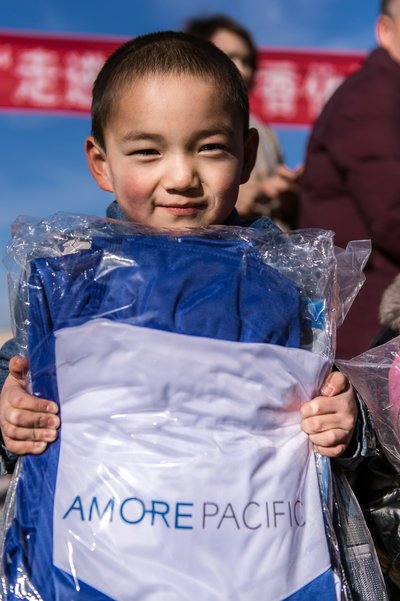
<point>381,58</point>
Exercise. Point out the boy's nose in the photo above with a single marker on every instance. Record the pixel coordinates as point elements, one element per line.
<point>181,174</point>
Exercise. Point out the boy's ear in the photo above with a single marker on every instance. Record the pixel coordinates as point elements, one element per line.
<point>97,161</point>
<point>250,154</point>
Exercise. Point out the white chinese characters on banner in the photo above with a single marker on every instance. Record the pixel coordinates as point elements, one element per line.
<point>38,71</point>
<point>47,78</point>
<point>50,73</point>
<point>320,82</point>
<point>292,87</point>
<point>279,81</point>
<point>5,56</point>
<point>80,72</point>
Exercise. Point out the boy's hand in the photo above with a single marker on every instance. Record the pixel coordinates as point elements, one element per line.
<point>329,420</point>
<point>28,423</point>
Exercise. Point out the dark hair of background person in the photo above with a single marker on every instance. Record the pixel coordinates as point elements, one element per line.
<point>207,27</point>
<point>272,189</point>
<point>165,52</point>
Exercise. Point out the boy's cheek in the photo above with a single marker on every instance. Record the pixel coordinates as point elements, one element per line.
<point>131,211</point>
<point>133,197</point>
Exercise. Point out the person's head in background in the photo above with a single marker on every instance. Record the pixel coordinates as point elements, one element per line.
<point>232,39</point>
<point>170,131</point>
<point>272,188</point>
<point>388,28</point>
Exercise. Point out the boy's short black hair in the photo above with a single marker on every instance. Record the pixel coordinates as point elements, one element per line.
<point>165,52</point>
<point>207,27</point>
<point>386,7</point>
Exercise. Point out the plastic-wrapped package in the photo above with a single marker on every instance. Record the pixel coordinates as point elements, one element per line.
<point>381,391</point>
<point>179,362</point>
<point>377,485</point>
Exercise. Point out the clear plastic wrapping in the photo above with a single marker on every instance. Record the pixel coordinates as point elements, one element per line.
<point>380,391</point>
<point>329,277</point>
<point>179,361</point>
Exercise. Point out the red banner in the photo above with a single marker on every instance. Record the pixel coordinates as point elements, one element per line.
<point>56,73</point>
<point>292,86</point>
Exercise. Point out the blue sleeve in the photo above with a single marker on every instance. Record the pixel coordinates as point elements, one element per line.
<point>363,443</point>
<point>8,350</point>
<point>265,223</point>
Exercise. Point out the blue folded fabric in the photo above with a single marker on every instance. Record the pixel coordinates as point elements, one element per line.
<point>197,286</point>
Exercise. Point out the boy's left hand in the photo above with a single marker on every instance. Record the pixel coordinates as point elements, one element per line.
<point>329,419</point>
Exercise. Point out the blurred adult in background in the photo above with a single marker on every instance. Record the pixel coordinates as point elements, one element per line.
<point>273,187</point>
<point>351,181</point>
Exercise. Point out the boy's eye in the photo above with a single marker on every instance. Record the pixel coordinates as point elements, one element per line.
<point>213,147</point>
<point>145,152</point>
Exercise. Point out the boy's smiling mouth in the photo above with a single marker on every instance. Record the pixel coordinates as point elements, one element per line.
<point>184,209</point>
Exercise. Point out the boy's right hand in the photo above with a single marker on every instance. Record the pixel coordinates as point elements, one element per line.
<point>28,423</point>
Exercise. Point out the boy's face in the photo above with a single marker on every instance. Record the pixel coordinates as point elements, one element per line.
<point>175,154</point>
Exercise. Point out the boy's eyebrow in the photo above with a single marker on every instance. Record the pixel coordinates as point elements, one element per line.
<point>212,131</point>
<point>134,136</point>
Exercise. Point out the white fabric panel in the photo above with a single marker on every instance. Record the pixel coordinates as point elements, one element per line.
<point>183,471</point>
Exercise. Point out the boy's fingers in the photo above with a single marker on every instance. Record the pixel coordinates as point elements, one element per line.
<point>331,451</point>
<point>331,443</point>
<point>324,424</point>
<point>18,366</point>
<point>18,433</point>
<point>324,405</point>
<point>319,406</point>
<point>24,401</point>
<point>25,447</point>
<point>335,383</point>
<point>30,419</point>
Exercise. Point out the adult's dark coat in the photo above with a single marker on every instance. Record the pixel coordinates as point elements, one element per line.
<point>351,183</point>
<point>376,481</point>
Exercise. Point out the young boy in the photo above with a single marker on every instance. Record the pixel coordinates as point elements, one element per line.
<point>170,139</point>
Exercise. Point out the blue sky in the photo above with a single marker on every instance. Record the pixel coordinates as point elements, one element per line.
<point>42,167</point>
